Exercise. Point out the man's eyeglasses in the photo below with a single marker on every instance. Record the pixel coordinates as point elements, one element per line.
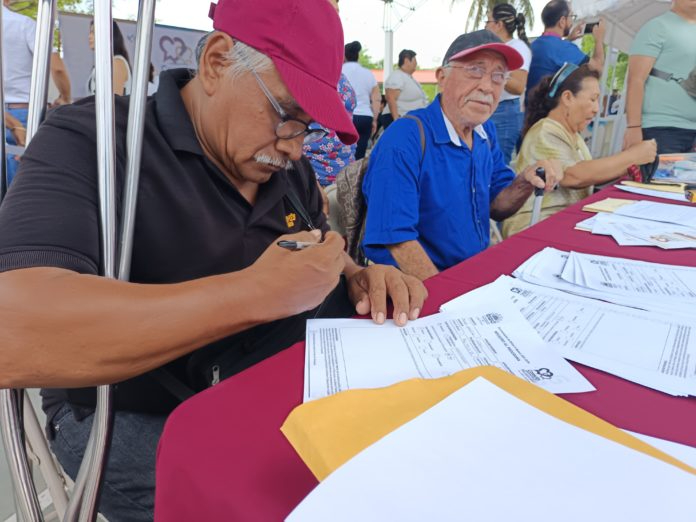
<point>476,72</point>
<point>572,17</point>
<point>289,127</point>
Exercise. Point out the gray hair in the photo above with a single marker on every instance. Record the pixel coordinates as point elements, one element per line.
<point>240,58</point>
<point>243,57</point>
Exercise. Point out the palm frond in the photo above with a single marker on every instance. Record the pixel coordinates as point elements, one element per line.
<point>479,11</point>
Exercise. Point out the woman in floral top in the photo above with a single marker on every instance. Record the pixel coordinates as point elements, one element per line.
<point>329,155</point>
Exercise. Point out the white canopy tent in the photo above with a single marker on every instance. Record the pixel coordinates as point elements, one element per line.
<point>624,19</point>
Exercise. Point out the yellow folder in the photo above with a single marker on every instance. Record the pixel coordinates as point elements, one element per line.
<point>608,205</point>
<point>677,188</point>
<point>328,432</point>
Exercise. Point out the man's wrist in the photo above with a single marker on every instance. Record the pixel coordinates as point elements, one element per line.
<point>351,267</point>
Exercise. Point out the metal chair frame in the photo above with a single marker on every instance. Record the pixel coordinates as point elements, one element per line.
<point>85,495</point>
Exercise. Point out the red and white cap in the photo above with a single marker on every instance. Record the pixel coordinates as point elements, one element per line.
<point>470,43</point>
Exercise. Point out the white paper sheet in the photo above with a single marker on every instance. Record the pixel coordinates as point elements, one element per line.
<point>546,268</point>
<point>651,349</point>
<point>344,354</point>
<point>484,455</point>
<point>663,212</point>
<point>669,284</point>
<point>654,193</point>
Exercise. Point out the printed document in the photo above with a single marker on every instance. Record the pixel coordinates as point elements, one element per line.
<point>343,354</point>
<point>635,279</point>
<point>651,349</point>
<point>653,193</point>
<point>638,284</point>
<point>664,212</point>
<point>482,454</point>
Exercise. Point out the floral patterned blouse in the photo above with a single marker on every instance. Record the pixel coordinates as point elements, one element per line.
<point>330,155</point>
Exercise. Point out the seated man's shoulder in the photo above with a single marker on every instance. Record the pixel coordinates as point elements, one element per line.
<point>407,127</point>
<point>80,116</point>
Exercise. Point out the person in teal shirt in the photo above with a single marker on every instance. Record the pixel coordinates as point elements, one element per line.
<point>657,107</point>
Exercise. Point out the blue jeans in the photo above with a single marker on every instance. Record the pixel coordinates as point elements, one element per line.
<point>12,163</point>
<point>671,139</point>
<point>128,491</point>
<point>508,120</point>
<point>363,124</point>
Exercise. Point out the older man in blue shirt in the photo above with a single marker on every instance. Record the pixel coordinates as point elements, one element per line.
<point>428,209</point>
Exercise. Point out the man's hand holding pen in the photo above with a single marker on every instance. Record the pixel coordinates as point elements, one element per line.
<point>368,288</point>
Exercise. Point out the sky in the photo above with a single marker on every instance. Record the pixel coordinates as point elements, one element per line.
<point>428,29</point>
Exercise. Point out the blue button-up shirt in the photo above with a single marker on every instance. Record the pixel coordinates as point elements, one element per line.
<point>549,53</point>
<point>441,198</point>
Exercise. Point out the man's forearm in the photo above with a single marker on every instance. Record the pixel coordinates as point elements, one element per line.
<point>62,82</point>
<point>60,77</point>
<point>511,198</point>
<point>63,329</point>
<point>412,259</point>
<point>597,60</point>
<point>11,122</point>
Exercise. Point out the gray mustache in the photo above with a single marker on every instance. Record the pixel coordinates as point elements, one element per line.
<point>265,159</point>
<point>482,99</point>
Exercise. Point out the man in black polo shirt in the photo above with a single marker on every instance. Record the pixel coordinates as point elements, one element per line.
<point>216,194</point>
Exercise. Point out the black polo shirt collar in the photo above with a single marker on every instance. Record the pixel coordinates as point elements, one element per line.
<point>177,128</point>
<point>174,120</point>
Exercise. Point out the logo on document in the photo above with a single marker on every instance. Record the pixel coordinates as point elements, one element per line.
<point>290,219</point>
<point>544,373</point>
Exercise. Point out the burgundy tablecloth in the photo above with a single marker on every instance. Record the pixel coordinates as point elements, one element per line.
<point>222,455</point>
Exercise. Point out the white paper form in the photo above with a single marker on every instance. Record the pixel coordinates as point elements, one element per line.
<point>343,354</point>
<point>629,231</point>
<point>654,193</point>
<point>664,212</point>
<point>608,225</point>
<point>673,285</point>
<point>586,224</point>
<point>654,350</point>
<point>546,267</point>
<point>483,455</point>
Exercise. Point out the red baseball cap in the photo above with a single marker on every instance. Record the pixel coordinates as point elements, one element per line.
<point>471,43</point>
<point>304,38</point>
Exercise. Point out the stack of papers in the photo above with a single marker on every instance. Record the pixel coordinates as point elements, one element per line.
<point>656,287</point>
<point>655,191</point>
<point>646,223</point>
<point>343,354</point>
<point>652,349</point>
<point>491,450</point>
<point>660,212</point>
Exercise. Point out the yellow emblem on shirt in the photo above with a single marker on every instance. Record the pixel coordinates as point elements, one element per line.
<point>290,219</point>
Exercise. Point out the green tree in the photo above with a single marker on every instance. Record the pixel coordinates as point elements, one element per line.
<point>368,62</point>
<point>30,7</point>
<point>478,12</point>
<point>617,73</point>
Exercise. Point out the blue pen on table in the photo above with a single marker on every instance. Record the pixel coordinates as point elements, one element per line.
<point>295,245</point>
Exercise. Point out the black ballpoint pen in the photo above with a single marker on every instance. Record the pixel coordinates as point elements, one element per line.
<point>295,245</point>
